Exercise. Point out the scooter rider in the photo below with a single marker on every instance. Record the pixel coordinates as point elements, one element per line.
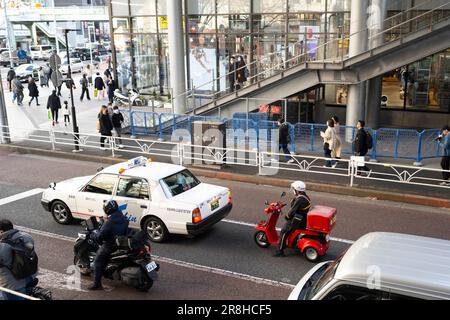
<point>300,206</point>
<point>115,225</point>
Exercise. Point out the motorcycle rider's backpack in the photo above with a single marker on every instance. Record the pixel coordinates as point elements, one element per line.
<point>369,140</point>
<point>24,260</point>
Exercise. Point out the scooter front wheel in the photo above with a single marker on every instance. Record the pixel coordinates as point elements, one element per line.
<point>261,239</point>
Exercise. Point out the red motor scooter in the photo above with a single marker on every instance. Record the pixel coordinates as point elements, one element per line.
<point>313,241</point>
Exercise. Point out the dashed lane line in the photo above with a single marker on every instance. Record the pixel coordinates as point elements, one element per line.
<point>20,196</point>
<point>185,264</point>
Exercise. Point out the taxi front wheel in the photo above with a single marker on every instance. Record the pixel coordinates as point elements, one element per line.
<point>155,229</point>
<point>61,213</point>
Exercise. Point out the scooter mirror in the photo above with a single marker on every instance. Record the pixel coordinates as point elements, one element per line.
<point>266,203</point>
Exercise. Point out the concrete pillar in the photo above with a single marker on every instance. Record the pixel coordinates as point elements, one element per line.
<point>377,14</point>
<point>357,45</point>
<point>34,37</point>
<point>176,54</point>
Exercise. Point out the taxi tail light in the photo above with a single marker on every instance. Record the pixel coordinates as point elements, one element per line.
<point>229,197</point>
<point>196,216</point>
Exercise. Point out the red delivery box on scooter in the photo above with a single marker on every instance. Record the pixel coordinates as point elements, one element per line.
<point>321,219</point>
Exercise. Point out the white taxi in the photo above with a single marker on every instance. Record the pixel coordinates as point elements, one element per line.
<point>160,198</point>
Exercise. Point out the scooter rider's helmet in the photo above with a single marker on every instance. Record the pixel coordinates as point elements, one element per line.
<point>110,207</point>
<point>298,186</point>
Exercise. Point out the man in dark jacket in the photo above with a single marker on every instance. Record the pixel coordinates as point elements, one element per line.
<point>7,280</point>
<point>115,225</point>
<point>111,86</point>
<point>84,88</point>
<point>296,217</point>
<point>54,104</point>
<point>117,120</point>
<point>10,77</point>
<point>105,126</point>
<point>283,139</point>
<point>18,86</point>
<point>232,74</point>
<point>360,142</point>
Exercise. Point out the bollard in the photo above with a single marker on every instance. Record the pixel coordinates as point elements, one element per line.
<point>374,146</point>
<point>133,132</point>
<point>312,137</point>
<point>418,162</point>
<point>161,138</point>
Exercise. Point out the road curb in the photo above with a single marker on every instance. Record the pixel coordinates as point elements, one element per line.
<point>254,179</point>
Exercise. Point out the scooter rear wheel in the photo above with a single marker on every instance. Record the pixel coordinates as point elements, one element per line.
<point>261,239</point>
<point>311,254</point>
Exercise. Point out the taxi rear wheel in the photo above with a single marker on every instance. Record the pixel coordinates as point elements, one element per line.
<point>155,229</point>
<point>61,213</point>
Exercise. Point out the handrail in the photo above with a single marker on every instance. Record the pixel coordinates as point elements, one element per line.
<point>284,63</point>
<point>21,295</point>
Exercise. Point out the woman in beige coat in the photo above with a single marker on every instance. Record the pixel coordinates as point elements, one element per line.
<point>329,142</point>
<point>336,152</point>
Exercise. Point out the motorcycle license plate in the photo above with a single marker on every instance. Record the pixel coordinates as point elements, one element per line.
<point>214,205</point>
<point>151,266</point>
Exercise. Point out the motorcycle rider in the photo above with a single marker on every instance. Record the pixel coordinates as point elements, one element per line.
<point>296,217</point>
<point>115,225</point>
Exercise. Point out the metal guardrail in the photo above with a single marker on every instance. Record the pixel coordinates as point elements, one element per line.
<point>265,160</point>
<point>387,142</point>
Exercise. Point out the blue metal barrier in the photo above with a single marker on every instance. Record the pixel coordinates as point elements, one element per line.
<point>387,142</point>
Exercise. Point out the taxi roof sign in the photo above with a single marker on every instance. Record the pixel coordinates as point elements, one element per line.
<point>137,162</point>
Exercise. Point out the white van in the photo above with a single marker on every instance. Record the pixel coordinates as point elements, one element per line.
<point>41,52</point>
<point>382,266</point>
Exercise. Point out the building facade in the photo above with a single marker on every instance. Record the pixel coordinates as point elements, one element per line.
<point>266,34</point>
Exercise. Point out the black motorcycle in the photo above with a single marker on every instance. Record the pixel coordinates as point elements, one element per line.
<point>131,263</point>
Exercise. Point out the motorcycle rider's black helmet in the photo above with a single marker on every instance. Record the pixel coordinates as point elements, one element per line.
<point>110,207</point>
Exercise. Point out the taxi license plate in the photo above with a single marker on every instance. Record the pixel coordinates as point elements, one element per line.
<point>214,205</point>
<point>151,266</point>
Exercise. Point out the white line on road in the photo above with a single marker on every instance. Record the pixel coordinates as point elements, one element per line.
<point>20,196</point>
<point>228,273</point>
<point>278,229</point>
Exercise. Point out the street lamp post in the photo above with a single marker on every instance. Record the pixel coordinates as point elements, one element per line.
<point>10,36</point>
<point>69,78</point>
<point>90,40</point>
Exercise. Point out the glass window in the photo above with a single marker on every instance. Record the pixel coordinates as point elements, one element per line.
<point>133,188</point>
<point>144,24</point>
<point>202,60</point>
<point>347,292</point>
<point>236,23</point>
<point>309,5</point>
<point>123,57</point>
<point>206,24</point>
<point>201,7</point>
<point>162,7</point>
<point>269,6</point>
<point>120,25</point>
<point>233,6</point>
<point>145,54</point>
<point>102,183</point>
<point>340,5</point>
<point>270,23</point>
<point>120,8</point>
<point>180,182</point>
<point>143,7</point>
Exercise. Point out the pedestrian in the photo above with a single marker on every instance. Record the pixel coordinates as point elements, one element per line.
<point>337,152</point>
<point>43,80</point>
<point>360,144</point>
<point>19,90</point>
<point>54,104</point>
<point>444,140</point>
<point>329,142</point>
<point>66,113</point>
<point>12,244</point>
<point>107,73</point>
<point>99,86</point>
<point>14,90</point>
<point>284,139</point>
<point>232,74</point>
<point>10,77</point>
<point>241,72</point>
<point>105,125</point>
<point>33,91</point>
<point>89,72</point>
<point>84,87</point>
<point>111,86</point>
<point>117,120</point>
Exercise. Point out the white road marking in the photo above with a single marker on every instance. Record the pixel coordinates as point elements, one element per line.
<point>56,280</point>
<point>222,272</point>
<point>20,196</point>
<point>279,229</point>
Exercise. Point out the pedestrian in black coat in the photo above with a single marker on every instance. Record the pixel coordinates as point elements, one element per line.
<point>106,126</point>
<point>54,104</point>
<point>34,92</point>
<point>360,142</point>
<point>10,77</point>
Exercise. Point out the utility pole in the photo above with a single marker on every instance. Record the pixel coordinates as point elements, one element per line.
<point>69,78</point>
<point>54,22</point>
<point>9,34</point>
<point>3,116</point>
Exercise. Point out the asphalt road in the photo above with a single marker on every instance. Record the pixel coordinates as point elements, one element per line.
<point>224,263</point>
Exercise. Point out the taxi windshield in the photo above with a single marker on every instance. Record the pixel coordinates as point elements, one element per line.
<point>180,182</point>
<point>324,279</point>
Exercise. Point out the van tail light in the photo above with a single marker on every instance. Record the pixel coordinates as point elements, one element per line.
<point>229,197</point>
<point>196,216</point>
